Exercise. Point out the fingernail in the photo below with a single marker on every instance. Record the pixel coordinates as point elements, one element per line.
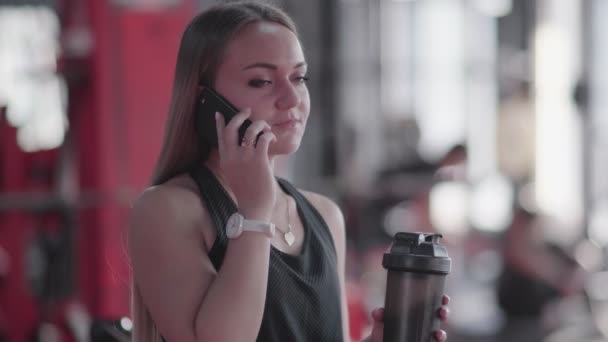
<point>441,335</point>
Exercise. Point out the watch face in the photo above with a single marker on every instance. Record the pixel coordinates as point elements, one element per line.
<point>234,225</point>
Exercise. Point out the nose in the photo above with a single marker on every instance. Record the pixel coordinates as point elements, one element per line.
<point>288,96</point>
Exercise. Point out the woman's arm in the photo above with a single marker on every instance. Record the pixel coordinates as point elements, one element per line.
<point>186,297</point>
<point>188,300</point>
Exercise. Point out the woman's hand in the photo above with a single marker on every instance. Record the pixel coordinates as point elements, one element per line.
<point>378,325</point>
<point>245,165</point>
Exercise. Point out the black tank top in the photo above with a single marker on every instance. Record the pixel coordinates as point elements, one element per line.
<point>303,294</point>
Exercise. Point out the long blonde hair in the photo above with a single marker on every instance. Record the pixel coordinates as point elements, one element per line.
<point>201,49</point>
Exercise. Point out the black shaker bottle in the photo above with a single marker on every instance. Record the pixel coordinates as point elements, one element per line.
<point>417,267</point>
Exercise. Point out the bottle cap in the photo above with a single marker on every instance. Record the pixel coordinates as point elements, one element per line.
<point>417,252</point>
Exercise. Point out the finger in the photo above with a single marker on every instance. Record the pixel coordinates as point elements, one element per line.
<point>445,300</point>
<point>219,127</point>
<point>254,129</point>
<point>264,143</point>
<point>443,312</point>
<point>377,332</point>
<point>378,315</point>
<point>441,336</point>
<point>231,131</point>
<point>378,324</point>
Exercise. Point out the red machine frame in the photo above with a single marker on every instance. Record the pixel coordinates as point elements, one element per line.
<point>118,99</point>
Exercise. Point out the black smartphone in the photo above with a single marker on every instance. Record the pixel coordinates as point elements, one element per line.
<point>209,102</point>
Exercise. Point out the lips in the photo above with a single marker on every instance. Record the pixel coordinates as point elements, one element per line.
<point>288,123</point>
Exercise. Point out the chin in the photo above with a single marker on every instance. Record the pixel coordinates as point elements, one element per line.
<point>284,148</point>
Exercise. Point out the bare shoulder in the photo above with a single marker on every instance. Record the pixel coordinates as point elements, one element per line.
<point>171,208</point>
<point>322,203</point>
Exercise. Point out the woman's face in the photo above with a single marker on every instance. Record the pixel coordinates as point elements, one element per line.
<point>264,69</point>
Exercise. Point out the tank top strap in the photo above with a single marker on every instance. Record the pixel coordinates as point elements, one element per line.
<point>311,215</point>
<point>220,206</point>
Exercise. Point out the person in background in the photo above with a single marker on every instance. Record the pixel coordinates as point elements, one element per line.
<point>535,273</point>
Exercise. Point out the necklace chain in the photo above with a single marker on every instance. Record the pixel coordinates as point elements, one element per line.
<point>288,236</point>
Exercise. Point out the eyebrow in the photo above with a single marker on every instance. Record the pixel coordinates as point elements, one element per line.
<point>271,66</point>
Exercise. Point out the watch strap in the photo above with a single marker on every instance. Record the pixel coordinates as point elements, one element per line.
<point>267,228</point>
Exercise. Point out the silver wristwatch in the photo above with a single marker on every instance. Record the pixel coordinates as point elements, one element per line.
<point>237,224</point>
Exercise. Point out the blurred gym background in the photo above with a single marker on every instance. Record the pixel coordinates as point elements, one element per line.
<point>480,120</point>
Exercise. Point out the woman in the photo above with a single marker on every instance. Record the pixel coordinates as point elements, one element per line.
<point>191,282</point>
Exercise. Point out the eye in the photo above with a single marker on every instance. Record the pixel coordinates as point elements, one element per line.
<point>301,79</point>
<point>258,83</point>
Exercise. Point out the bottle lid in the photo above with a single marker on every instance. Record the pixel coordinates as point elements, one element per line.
<point>417,252</point>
